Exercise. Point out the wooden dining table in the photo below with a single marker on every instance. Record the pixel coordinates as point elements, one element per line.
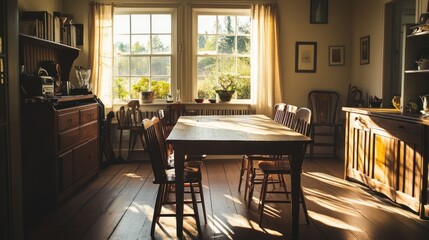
<point>236,135</point>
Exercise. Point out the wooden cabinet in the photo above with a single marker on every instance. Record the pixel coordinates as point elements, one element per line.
<point>385,151</point>
<point>60,149</point>
<point>414,79</point>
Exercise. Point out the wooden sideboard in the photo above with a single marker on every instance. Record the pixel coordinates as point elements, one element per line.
<point>385,150</point>
<point>59,149</point>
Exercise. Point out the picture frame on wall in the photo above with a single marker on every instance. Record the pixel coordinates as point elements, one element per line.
<point>305,57</point>
<point>336,55</point>
<point>364,50</point>
<point>79,34</point>
<point>319,11</point>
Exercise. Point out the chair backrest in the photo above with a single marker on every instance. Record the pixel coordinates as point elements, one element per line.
<point>303,121</point>
<point>354,97</point>
<point>129,115</point>
<point>175,110</point>
<point>279,112</point>
<point>289,117</point>
<point>324,105</point>
<point>162,122</point>
<point>156,147</point>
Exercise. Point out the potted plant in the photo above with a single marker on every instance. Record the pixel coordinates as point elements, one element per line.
<point>226,86</point>
<point>142,86</point>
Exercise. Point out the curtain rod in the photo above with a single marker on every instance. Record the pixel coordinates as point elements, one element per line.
<point>160,2</point>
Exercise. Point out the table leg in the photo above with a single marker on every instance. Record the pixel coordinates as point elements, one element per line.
<point>296,165</point>
<point>179,159</point>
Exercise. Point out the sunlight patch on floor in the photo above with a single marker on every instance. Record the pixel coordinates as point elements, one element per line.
<point>234,199</point>
<point>333,222</point>
<point>132,175</point>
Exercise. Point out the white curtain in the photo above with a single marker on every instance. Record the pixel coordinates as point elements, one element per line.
<point>265,58</point>
<point>101,54</point>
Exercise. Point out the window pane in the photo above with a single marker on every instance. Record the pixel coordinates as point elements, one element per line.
<point>140,23</point>
<point>161,23</point>
<point>120,88</point>
<point>140,44</point>
<point>122,44</point>
<point>243,45</point>
<point>205,87</point>
<point>206,24</point>
<point>121,24</point>
<point>161,66</point>
<point>206,65</point>
<point>226,44</point>
<point>243,25</point>
<point>243,66</point>
<point>140,66</point>
<point>226,25</point>
<point>122,66</point>
<point>161,44</point>
<point>227,64</point>
<point>161,87</point>
<point>206,44</point>
<point>243,88</point>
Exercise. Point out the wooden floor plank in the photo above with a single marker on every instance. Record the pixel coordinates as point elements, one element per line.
<point>118,204</point>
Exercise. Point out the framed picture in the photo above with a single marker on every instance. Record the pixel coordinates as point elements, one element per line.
<point>319,11</point>
<point>305,56</point>
<point>79,34</point>
<point>336,55</point>
<point>364,50</point>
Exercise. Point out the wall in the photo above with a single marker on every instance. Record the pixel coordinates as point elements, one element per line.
<point>369,76</point>
<point>295,26</point>
<point>346,24</point>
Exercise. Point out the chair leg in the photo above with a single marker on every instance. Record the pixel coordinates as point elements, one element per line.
<point>195,206</point>
<point>200,186</point>
<point>243,168</point>
<point>246,184</point>
<point>157,209</point>
<point>251,187</point>
<point>120,145</point>
<point>264,195</point>
<point>284,185</point>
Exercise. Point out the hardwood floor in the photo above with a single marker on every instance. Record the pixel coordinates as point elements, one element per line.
<point>118,204</point>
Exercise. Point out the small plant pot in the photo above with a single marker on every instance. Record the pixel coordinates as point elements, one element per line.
<point>148,96</point>
<point>225,96</point>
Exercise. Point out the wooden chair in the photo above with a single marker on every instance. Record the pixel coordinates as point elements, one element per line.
<point>302,124</point>
<point>105,139</point>
<point>325,124</point>
<point>165,176</point>
<point>289,117</point>
<point>279,115</point>
<point>129,118</point>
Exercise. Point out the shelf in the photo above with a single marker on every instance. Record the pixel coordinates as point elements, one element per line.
<point>48,42</point>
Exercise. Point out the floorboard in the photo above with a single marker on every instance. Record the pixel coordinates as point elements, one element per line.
<point>118,204</point>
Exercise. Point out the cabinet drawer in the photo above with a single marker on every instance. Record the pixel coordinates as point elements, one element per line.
<point>68,121</point>
<point>68,138</point>
<point>408,132</point>
<point>88,115</point>
<point>88,130</point>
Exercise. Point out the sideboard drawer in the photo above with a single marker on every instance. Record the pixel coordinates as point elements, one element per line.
<point>88,130</point>
<point>68,138</point>
<point>68,121</point>
<point>88,115</point>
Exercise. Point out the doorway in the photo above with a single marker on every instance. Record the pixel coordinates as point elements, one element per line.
<point>397,13</point>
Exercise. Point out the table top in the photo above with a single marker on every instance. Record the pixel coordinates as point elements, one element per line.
<point>237,128</point>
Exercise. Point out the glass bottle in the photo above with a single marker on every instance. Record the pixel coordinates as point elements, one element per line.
<point>178,97</point>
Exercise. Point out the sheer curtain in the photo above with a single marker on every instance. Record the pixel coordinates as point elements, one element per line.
<point>265,58</point>
<point>101,54</point>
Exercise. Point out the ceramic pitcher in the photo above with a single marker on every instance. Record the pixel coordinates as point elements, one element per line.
<point>425,101</point>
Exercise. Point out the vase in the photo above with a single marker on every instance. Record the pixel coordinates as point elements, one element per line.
<point>148,96</point>
<point>396,102</point>
<point>225,96</point>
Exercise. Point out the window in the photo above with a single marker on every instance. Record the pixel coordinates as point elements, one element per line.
<point>143,53</point>
<point>222,45</point>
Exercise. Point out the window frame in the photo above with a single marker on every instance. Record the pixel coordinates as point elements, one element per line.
<point>173,55</point>
<point>218,10</point>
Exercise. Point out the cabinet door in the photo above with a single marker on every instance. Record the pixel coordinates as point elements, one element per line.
<point>383,162</point>
<point>85,160</point>
<point>358,148</point>
<point>65,174</point>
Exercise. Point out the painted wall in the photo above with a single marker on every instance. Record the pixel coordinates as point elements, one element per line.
<point>346,24</point>
<point>295,26</point>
